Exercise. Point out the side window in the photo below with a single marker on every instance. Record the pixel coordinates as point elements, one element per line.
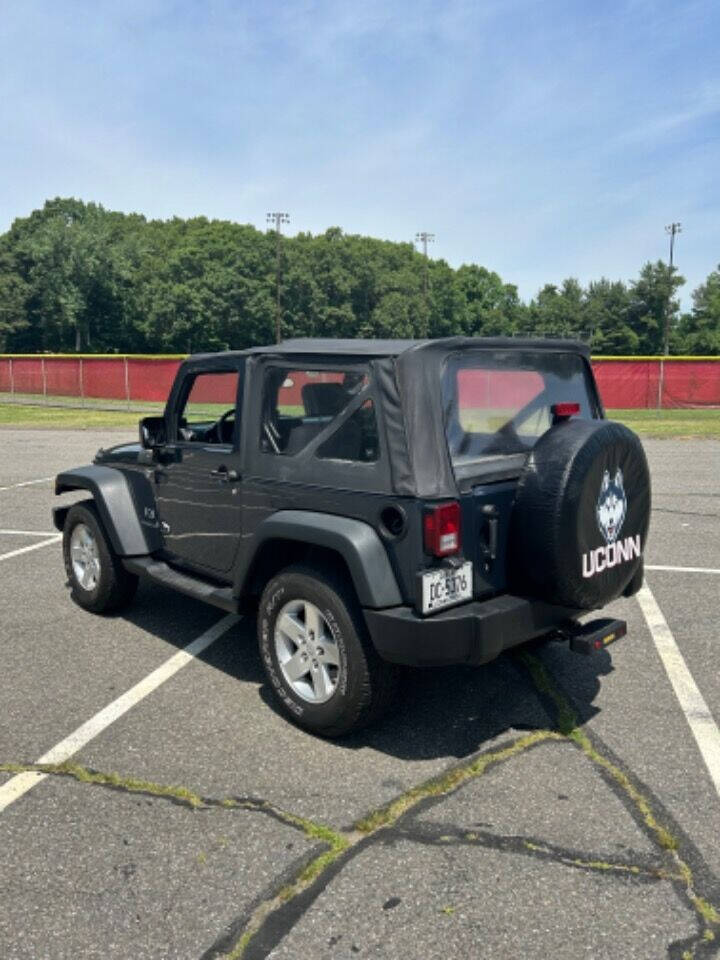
<point>356,439</point>
<point>208,413</point>
<point>298,405</point>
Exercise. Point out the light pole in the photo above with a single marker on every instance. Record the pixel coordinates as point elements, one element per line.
<point>425,238</point>
<point>278,219</point>
<point>672,229</point>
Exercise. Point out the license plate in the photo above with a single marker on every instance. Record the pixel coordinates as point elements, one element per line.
<point>446,587</point>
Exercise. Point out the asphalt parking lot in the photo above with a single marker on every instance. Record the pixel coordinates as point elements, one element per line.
<point>547,805</point>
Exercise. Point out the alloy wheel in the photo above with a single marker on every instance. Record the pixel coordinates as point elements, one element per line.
<point>306,651</point>
<point>85,557</point>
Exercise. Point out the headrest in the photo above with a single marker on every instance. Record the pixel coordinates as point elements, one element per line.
<point>324,399</point>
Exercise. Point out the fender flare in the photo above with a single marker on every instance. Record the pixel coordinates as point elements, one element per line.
<point>112,496</point>
<point>356,542</point>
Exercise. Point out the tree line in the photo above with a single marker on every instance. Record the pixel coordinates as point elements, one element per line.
<point>77,277</point>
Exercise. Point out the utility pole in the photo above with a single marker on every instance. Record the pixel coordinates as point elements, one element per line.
<point>424,238</point>
<point>278,219</point>
<point>672,229</point>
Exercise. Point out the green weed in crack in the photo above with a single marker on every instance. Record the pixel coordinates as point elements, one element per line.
<point>569,728</point>
<point>340,844</point>
<point>374,823</point>
<point>440,834</point>
<point>176,794</point>
<point>448,782</point>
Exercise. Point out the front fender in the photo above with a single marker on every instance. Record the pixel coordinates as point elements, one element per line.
<point>112,496</point>
<point>356,542</point>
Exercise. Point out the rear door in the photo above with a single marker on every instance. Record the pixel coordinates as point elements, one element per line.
<point>198,482</point>
<point>496,405</point>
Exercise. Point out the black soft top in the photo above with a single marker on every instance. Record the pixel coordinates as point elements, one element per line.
<point>408,387</point>
<point>394,348</point>
<point>328,346</point>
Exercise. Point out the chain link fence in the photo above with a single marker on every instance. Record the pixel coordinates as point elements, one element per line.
<point>141,383</point>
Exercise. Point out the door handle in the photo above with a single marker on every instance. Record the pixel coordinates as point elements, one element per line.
<point>225,475</point>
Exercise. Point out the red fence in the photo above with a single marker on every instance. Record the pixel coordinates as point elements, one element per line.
<point>654,382</point>
<point>97,377</point>
<point>624,381</point>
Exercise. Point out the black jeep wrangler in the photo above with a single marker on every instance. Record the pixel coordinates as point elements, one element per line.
<point>378,502</point>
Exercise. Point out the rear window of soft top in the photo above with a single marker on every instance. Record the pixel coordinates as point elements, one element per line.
<point>499,402</point>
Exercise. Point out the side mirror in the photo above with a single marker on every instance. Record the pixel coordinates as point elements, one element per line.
<point>152,432</point>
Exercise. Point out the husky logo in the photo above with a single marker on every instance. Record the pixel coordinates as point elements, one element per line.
<point>611,506</point>
<point>610,512</point>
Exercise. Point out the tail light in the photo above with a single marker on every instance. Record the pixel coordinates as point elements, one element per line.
<point>441,529</point>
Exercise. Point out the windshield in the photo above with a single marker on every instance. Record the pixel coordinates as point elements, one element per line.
<point>498,402</point>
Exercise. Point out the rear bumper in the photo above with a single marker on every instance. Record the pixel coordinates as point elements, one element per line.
<point>474,633</point>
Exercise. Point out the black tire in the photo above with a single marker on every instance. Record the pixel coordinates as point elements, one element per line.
<point>113,587</point>
<point>365,684</point>
<point>581,515</point>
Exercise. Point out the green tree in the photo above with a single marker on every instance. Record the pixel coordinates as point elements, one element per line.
<point>74,276</point>
<point>606,318</point>
<point>652,301</point>
<point>14,295</point>
<point>491,307</point>
<point>58,264</point>
<point>699,332</point>
<point>558,312</point>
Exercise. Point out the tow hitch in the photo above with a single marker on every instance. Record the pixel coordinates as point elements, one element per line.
<point>590,637</point>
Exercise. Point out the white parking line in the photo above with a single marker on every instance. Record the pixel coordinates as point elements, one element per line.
<point>27,533</point>
<point>26,483</point>
<point>33,546</point>
<point>686,569</point>
<point>22,782</point>
<point>697,713</point>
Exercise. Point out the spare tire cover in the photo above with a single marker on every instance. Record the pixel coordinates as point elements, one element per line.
<point>581,514</point>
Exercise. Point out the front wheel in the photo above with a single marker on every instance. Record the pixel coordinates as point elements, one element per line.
<point>321,665</point>
<point>98,581</point>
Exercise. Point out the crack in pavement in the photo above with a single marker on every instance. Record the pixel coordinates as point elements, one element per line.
<point>258,930</point>
<point>442,835</point>
<point>279,913</point>
<point>685,513</point>
<point>639,804</point>
<point>180,796</point>
<point>703,495</point>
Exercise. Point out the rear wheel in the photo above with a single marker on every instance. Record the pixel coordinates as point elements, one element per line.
<point>98,580</point>
<point>321,665</point>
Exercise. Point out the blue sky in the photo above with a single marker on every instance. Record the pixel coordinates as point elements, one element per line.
<point>540,139</point>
